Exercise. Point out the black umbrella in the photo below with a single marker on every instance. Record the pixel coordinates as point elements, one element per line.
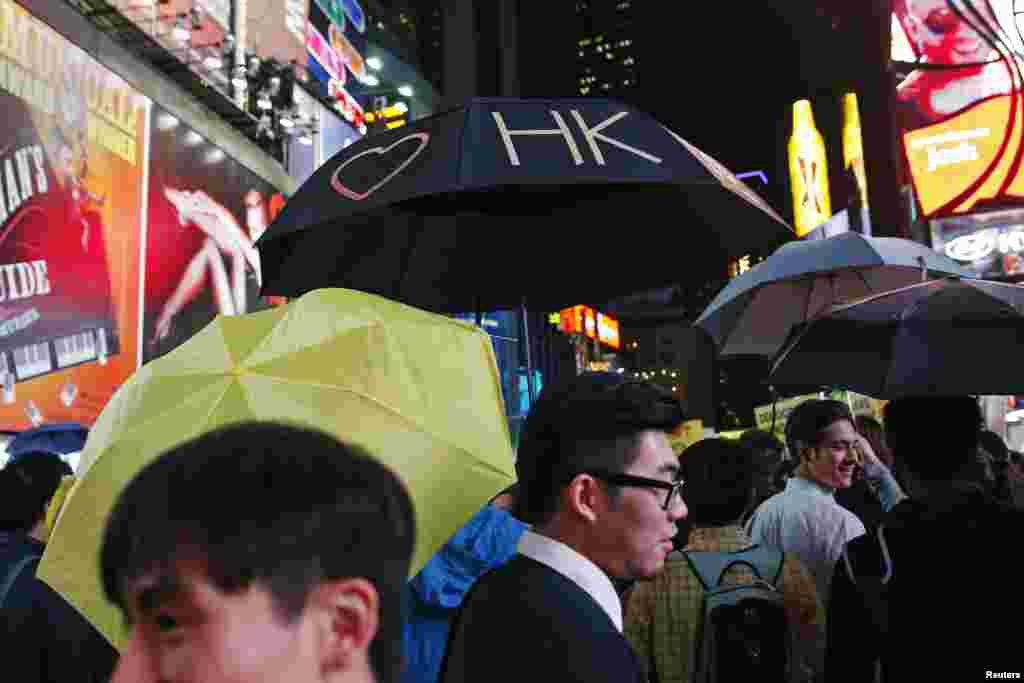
<point>504,202</point>
<point>558,201</point>
<point>947,336</point>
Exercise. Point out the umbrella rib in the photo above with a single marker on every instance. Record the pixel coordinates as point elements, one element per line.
<point>860,274</point>
<point>194,398</point>
<point>888,363</point>
<point>391,410</point>
<point>807,305</point>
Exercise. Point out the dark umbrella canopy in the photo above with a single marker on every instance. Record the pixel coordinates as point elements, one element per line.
<point>948,337</point>
<point>755,313</point>
<point>557,201</point>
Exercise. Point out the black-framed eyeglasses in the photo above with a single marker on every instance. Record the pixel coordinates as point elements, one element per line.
<point>672,490</point>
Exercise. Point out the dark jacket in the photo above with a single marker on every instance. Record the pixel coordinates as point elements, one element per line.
<point>862,501</point>
<point>433,596</point>
<point>943,615</point>
<point>44,638</point>
<point>526,622</point>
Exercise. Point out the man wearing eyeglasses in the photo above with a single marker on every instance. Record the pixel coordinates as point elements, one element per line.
<point>599,483</point>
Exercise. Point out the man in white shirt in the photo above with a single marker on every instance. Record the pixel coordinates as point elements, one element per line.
<point>598,482</point>
<point>805,518</point>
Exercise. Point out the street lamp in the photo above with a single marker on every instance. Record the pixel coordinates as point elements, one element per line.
<point>371,80</point>
<point>405,90</point>
<point>374,63</point>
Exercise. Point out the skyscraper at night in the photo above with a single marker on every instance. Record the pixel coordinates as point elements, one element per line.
<point>606,48</point>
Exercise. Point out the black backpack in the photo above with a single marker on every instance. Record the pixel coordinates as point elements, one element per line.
<point>746,633</point>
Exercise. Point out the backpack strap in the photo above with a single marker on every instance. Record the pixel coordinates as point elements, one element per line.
<point>13,575</point>
<point>886,560</point>
<point>710,567</point>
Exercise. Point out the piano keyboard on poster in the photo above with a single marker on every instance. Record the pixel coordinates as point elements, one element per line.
<point>42,357</point>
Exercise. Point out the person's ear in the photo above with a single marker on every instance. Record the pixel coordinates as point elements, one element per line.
<point>584,497</point>
<point>347,613</point>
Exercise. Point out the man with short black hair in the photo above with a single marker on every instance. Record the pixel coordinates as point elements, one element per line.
<point>767,452</point>
<point>923,594</point>
<point>664,617</point>
<point>598,482</point>
<point>44,638</point>
<point>260,552</point>
<point>805,518</point>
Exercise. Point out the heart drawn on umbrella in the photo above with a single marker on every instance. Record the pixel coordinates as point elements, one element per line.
<point>344,191</point>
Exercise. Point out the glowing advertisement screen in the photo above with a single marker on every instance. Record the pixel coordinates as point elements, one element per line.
<point>71,197</point>
<point>959,103</point>
<point>122,231</point>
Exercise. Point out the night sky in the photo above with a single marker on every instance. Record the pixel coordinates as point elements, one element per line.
<point>730,78</point>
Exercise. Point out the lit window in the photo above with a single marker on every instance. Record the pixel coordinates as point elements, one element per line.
<point>606,86</point>
<point>628,61</point>
<point>584,91</point>
<point>581,53</point>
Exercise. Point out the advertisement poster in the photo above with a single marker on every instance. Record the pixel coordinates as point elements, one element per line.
<point>263,24</point>
<point>72,162</point>
<point>343,34</point>
<point>205,213</point>
<point>959,102</point>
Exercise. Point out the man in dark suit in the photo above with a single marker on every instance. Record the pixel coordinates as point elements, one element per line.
<point>925,595</point>
<point>599,483</point>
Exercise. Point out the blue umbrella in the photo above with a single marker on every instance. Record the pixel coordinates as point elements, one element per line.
<point>755,313</point>
<point>947,336</point>
<point>59,438</point>
<point>555,202</point>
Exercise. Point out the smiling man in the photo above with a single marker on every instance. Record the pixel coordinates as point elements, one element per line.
<point>260,552</point>
<point>805,518</point>
<point>599,483</point>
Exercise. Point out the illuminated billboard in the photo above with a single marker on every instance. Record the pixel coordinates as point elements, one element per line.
<point>959,103</point>
<point>990,244</point>
<point>587,321</point>
<point>72,179</point>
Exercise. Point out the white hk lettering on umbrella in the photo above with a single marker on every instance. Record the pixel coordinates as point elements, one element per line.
<point>591,134</point>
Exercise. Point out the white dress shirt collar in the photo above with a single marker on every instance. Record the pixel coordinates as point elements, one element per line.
<point>576,568</point>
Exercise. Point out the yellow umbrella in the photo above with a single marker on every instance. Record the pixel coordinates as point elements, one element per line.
<point>419,391</point>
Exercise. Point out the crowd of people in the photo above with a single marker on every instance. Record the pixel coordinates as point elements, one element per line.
<point>848,551</point>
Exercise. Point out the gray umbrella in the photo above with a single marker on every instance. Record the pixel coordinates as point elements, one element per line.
<point>948,336</point>
<point>756,312</point>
